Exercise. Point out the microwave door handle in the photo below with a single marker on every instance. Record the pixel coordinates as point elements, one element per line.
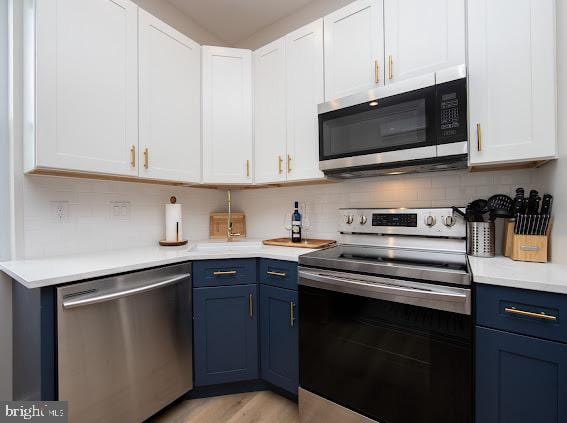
<point>395,293</point>
<point>114,295</point>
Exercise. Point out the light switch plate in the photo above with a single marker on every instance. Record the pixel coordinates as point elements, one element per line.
<point>120,210</point>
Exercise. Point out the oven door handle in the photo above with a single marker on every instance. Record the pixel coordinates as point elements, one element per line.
<point>451,299</point>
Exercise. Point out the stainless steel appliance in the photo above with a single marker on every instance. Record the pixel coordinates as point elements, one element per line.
<point>415,125</point>
<point>125,344</point>
<point>386,327</point>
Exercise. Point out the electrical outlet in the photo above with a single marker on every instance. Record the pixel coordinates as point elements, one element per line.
<point>60,211</point>
<point>120,210</point>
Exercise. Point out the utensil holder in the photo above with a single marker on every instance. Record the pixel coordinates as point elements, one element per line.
<point>532,248</point>
<point>481,239</point>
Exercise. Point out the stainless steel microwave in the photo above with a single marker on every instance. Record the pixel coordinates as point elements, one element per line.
<point>416,125</point>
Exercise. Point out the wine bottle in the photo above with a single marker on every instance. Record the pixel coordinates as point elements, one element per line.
<point>296,224</point>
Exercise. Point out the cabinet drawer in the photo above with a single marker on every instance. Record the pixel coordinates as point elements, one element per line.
<point>282,274</point>
<point>522,311</point>
<point>224,272</point>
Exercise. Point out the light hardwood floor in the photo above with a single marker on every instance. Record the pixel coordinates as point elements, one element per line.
<point>251,407</point>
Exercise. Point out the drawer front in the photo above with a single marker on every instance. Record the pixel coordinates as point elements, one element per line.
<point>224,272</point>
<point>522,311</point>
<point>282,274</point>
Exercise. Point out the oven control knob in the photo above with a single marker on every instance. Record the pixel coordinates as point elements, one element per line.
<point>449,221</point>
<point>430,221</point>
<point>363,220</point>
<point>349,218</point>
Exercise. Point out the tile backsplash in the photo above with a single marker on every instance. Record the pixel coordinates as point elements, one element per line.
<point>91,223</point>
<point>265,208</point>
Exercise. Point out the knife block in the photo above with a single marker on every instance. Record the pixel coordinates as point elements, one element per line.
<point>533,248</point>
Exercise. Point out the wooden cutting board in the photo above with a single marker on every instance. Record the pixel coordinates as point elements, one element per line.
<point>306,243</point>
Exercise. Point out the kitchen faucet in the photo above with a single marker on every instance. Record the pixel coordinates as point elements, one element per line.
<point>229,234</point>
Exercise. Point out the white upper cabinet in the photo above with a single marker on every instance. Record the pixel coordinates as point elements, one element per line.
<point>85,86</point>
<point>305,90</point>
<point>354,48</point>
<point>270,112</point>
<point>512,80</point>
<point>227,115</point>
<point>423,36</point>
<point>170,103</point>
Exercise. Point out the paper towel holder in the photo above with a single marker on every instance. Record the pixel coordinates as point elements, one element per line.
<point>165,243</point>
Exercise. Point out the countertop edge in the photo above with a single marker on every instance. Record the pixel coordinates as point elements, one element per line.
<point>142,265</point>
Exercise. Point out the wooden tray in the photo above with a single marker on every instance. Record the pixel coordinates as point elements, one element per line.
<point>172,243</point>
<point>306,243</point>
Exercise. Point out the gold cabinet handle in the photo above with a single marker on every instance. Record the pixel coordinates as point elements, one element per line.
<point>478,137</point>
<point>146,158</point>
<point>289,163</point>
<point>250,306</point>
<point>390,67</point>
<point>247,168</point>
<point>133,156</point>
<point>542,315</point>
<point>278,274</point>
<point>280,162</point>
<point>224,273</point>
<point>376,72</point>
<point>292,313</point>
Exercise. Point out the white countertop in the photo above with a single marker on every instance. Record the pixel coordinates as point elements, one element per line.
<point>502,271</point>
<point>38,273</point>
<point>58,270</point>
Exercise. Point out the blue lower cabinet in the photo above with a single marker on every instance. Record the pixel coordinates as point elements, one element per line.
<point>279,337</point>
<point>519,379</point>
<point>226,334</point>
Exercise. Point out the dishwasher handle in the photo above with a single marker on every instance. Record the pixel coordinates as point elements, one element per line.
<point>114,295</point>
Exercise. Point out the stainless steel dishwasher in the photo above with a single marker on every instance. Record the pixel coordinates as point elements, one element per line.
<point>125,344</point>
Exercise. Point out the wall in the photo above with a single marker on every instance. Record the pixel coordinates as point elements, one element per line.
<point>265,208</point>
<point>90,225</point>
<point>170,14</point>
<point>314,10</point>
<point>5,285</point>
<point>554,175</point>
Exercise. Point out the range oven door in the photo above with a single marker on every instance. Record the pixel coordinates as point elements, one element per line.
<point>392,362</point>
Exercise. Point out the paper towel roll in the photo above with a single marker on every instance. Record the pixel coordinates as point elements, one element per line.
<point>173,223</point>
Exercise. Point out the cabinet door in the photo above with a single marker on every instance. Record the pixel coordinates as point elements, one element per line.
<point>279,337</point>
<point>225,334</point>
<point>512,80</point>
<point>86,85</point>
<point>519,379</point>
<point>269,112</point>
<point>227,115</point>
<point>305,90</point>
<point>354,48</point>
<point>423,36</point>
<point>170,103</point>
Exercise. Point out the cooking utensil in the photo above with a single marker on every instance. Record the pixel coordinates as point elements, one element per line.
<point>500,205</point>
<point>479,206</point>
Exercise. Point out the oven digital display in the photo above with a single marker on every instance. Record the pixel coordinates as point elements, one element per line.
<point>388,219</point>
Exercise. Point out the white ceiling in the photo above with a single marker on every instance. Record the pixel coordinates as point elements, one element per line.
<point>236,20</point>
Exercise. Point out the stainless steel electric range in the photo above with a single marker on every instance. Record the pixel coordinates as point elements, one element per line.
<point>386,327</point>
